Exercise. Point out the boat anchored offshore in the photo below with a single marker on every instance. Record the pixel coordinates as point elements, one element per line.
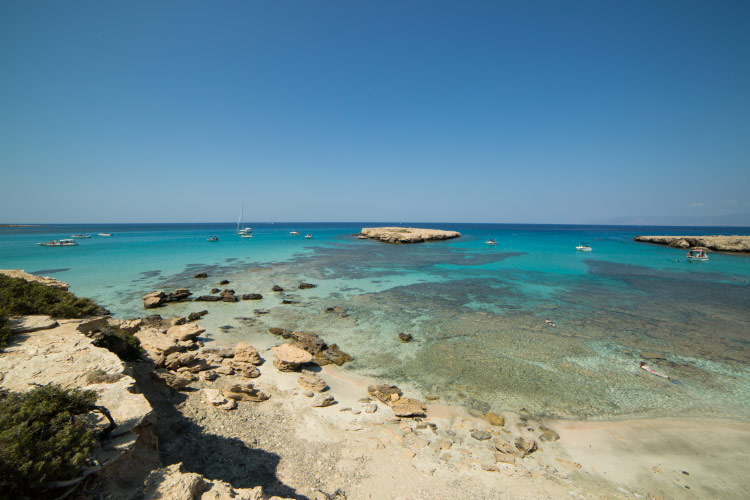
<point>80,236</point>
<point>242,231</point>
<point>583,248</point>
<point>697,254</point>
<point>213,238</point>
<point>105,234</point>
<point>59,243</point>
<point>491,242</point>
<point>293,232</point>
<point>308,236</point>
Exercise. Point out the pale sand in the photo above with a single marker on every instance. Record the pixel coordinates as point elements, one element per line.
<point>591,459</point>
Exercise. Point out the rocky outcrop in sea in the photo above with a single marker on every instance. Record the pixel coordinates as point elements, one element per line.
<point>717,242</point>
<point>406,234</point>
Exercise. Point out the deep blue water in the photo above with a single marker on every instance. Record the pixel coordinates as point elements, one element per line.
<point>476,311</point>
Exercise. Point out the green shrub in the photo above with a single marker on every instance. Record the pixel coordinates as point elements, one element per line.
<point>124,344</point>
<point>43,437</point>
<point>4,328</point>
<point>18,296</point>
<point>21,297</point>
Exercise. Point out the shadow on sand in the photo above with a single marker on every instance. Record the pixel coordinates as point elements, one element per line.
<point>215,457</point>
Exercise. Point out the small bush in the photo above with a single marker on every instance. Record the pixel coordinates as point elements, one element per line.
<point>4,328</point>
<point>18,296</point>
<point>124,344</point>
<point>43,437</point>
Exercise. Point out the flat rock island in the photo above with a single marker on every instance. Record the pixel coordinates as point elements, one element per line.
<point>407,234</point>
<point>718,243</point>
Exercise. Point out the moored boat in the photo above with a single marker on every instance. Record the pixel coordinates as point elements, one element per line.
<point>243,231</point>
<point>59,243</point>
<point>491,242</point>
<point>105,234</point>
<point>697,254</point>
<point>583,248</point>
<point>308,236</point>
<point>80,236</point>
<point>294,232</point>
<point>213,238</point>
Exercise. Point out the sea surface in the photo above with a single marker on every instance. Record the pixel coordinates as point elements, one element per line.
<point>476,312</point>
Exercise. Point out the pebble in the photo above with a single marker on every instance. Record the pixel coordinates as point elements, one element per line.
<point>370,408</point>
<point>481,435</point>
<point>309,394</point>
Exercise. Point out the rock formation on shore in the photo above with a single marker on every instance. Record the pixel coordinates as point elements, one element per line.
<point>407,234</point>
<point>44,280</point>
<point>717,242</point>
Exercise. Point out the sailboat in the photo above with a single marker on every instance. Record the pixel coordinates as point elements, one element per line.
<point>245,232</point>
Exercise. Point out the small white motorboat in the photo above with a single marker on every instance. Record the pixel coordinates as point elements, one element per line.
<point>80,236</point>
<point>213,238</point>
<point>583,248</point>
<point>59,243</point>
<point>105,234</point>
<point>697,254</point>
<point>293,232</point>
<point>491,242</point>
<point>308,236</point>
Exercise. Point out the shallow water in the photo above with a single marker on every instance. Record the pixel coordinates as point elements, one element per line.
<point>476,312</point>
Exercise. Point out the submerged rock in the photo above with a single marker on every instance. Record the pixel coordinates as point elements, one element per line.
<point>304,286</point>
<point>252,296</point>
<point>405,337</point>
<point>201,275</point>
<point>277,288</point>
<point>495,419</point>
<point>208,298</point>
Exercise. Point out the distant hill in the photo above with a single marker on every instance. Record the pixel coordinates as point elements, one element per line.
<point>679,220</point>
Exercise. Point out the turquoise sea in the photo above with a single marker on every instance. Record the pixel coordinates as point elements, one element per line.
<point>476,312</point>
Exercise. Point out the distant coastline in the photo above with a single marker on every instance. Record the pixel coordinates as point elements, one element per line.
<point>21,225</point>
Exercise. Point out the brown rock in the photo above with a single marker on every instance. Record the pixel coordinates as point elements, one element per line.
<point>245,392</point>
<point>176,382</point>
<point>303,286</point>
<point>280,331</point>
<point>247,370</point>
<point>323,400</point>
<point>525,446</point>
<point>290,358</point>
<point>312,382</point>
<point>277,288</point>
<point>337,356</point>
<point>246,353</point>
<point>201,275</point>
<point>504,446</point>
<point>310,342</point>
<point>186,332</point>
<point>382,392</point>
<point>405,337</point>
<point>548,434</point>
<point>152,302</point>
<point>408,407</point>
<point>495,419</point>
<point>178,359</point>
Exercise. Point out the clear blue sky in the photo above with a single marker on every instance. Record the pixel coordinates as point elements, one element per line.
<point>558,111</point>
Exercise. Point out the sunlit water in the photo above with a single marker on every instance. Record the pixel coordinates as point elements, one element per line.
<point>476,312</point>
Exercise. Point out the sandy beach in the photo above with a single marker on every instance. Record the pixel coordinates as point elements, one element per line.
<point>376,455</point>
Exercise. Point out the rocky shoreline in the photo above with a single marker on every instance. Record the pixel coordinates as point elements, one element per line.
<point>201,422</point>
<point>733,244</point>
<point>400,235</point>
